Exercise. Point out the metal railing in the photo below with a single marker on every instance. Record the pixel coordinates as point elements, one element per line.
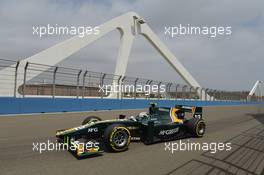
<point>32,79</point>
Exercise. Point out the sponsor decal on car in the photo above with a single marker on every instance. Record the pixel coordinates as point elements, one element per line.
<point>169,132</point>
<point>92,129</point>
<point>135,138</point>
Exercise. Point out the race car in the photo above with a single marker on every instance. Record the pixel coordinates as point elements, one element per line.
<point>159,124</point>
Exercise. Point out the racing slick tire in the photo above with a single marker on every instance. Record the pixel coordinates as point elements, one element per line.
<point>196,127</point>
<point>90,119</point>
<point>117,138</point>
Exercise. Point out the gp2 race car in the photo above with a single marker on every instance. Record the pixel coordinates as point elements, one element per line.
<point>159,124</point>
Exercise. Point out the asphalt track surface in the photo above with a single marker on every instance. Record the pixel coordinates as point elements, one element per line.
<point>243,127</point>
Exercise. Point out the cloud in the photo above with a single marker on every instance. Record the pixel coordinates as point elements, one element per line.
<point>228,62</point>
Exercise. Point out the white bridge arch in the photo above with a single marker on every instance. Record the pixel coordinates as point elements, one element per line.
<point>129,25</point>
<point>257,90</point>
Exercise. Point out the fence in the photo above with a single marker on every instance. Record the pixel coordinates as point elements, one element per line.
<point>25,79</point>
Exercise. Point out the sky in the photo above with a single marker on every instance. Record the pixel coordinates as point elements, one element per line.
<point>231,62</point>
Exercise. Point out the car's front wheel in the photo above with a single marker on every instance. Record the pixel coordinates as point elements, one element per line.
<point>117,138</point>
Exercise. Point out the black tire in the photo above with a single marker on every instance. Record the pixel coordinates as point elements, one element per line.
<point>90,118</point>
<point>196,127</point>
<point>117,138</point>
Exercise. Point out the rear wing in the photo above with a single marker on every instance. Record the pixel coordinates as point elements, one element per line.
<point>197,112</point>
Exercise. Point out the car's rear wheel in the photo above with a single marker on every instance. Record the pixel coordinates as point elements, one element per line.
<point>117,138</point>
<point>196,127</point>
<point>91,119</point>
